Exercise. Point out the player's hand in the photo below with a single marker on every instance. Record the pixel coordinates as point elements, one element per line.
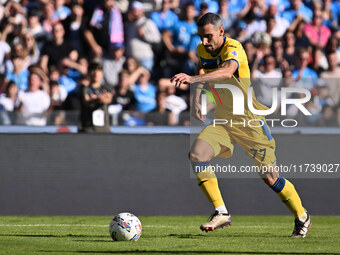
<point>180,79</point>
<point>197,112</point>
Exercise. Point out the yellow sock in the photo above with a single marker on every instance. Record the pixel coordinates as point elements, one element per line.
<point>291,199</point>
<point>209,185</point>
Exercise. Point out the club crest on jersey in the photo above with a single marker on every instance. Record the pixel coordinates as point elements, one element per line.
<point>234,53</point>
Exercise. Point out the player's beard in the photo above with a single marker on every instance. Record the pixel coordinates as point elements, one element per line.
<point>209,48</point>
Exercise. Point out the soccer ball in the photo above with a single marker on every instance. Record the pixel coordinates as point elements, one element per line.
<point>125,227</point>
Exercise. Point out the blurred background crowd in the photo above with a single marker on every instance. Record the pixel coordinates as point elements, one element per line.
<point>108,62</point>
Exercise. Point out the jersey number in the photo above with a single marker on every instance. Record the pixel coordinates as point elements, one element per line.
<point>255,152</point>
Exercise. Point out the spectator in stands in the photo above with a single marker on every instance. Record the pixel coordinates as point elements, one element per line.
<point>141,33</point>
<point>316,64</point>
<point>333,46</point>
<point>57,49</point>
<point>19,50</point>
<point>174,103</point>
<point>36,101</point>
<point>32,49</point>
<point>14,15</point>
<point>317,33</point>
<point>8,103</point>
<point>254,9</point>
<point>95,99</point>
<point>227,19</point>
<point>281,24</point>
<point>113,64</point>
<point>302,72</point>
<point>131,64</point>
<point>272,24</point>
<point>164,19</point>
<point>301,40</point>
<point>203,10</point>
<point>263,42</point>
<point>69,84</point>
<point>134,69</point>
<point>72,101</point>
<point>177,41</point>
<point>48,20</point>
<point>328,118</point>
<point>74,28</point>
<point>297,11</point>
<point>332,77</point>
<point>266,80</point>
<point>5,49</point>
<point>77,67</point>
<point>35,27</point>
<point>315,110</point>
<point>9,99</point>
<point>61,11</point>
<point>289,53</point>
<point>250,50</point>
<point>123,95</point>
<point>190,65</point>
<point>145,93</point>
<point>327,14</point>
<point>53,73</point>
<point>209,5</point>
<point>335,9</point>
<point>160,116</point>
<point>105,28</point>
<point>322,95</point>
<point>20,74</point>
<point>278,53</point>
<point>235,7</point>
<point>58,95</point>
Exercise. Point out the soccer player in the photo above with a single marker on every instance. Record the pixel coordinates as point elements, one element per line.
<point>223,59</point>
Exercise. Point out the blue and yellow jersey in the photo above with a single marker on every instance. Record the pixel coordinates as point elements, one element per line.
<point>232,50</point>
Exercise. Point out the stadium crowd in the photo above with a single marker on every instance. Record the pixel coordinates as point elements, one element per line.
<point>106,57</point>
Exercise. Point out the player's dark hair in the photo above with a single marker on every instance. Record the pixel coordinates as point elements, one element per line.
<point>210,18</point>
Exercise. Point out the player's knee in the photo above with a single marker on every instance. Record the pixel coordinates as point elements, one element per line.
<point>198,155</point>
<point>194,156</point>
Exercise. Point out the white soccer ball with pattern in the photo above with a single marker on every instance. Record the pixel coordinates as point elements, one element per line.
<point>125,227</point>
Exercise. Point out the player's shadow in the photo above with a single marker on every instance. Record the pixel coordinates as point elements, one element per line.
<point>94,241</point>
<point>187,236</point>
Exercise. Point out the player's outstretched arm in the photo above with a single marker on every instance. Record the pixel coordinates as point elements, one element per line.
<point>196,108</point>
<point>225,72</point>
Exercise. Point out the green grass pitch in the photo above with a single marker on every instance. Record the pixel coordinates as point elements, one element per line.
<point>162,235</point>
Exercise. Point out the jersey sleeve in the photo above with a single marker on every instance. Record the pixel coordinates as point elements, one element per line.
<point>233,52</point>
<point>199,52</point>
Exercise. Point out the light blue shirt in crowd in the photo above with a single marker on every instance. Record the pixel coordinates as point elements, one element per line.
<point>69,84</point>
<point>164,22</point>
<point>145,99</point>
<point>182,33</point>
<point>21,79</point>
<point>309,77</point>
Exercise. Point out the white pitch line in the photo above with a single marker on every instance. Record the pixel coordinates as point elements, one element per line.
<point>145,226</point>
<point>104,226</point>
<point>50,225</point>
